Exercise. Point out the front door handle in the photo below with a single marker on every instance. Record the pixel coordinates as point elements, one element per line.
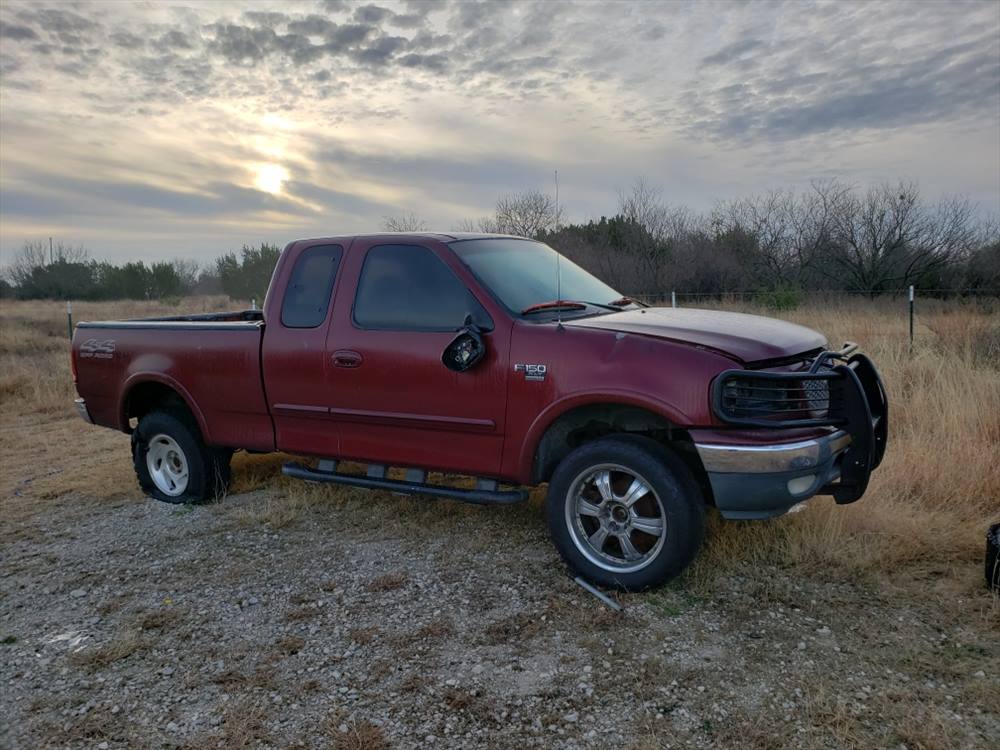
<point>347,358</point>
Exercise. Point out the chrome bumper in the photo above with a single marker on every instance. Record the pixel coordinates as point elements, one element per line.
<point>763,481</point>
<point>81,409</point>
<point>766,459</point>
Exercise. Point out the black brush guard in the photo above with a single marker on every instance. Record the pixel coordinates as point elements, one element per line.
<point>849,396</point>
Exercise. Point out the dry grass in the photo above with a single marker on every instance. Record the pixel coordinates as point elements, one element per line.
<point>34,345</point>
<point>360,735</point>
<point>388,582</point>
<point>926,511</point>
<point>929,505</point>
<point>122,646</point>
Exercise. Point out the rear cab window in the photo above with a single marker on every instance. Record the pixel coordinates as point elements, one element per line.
<point>310,287</point>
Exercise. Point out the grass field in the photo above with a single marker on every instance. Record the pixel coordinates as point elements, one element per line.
<point>927,508</point>
<point>915,541</point>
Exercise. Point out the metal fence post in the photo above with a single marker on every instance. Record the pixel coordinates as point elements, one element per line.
<point>911,317</point>
<point>673,299</point>
<point>69,319</point>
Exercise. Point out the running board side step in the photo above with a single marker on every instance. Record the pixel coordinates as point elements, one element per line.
<point>477,496</point>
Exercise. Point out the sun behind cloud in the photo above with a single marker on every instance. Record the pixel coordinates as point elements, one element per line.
<point>270,178</point>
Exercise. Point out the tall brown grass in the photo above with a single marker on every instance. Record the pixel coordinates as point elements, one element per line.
<point>926,511</point>
<point>929,504</point>
<point>34,345</point>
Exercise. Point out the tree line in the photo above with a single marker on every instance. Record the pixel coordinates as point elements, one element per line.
<point>829,237</point>
<point>60,271</point>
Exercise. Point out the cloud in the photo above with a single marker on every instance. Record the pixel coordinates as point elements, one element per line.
<point>436,63</point>
<point>242,45</point>
<point>372,14</point>
<point>17,33</point>
<point>174,40</point>
<point>127,40</point>
<point>733,51</point>
<point>58,21</point>
<point>812,88</point>
<point>439,106</point>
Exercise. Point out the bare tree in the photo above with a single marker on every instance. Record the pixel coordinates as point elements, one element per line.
<point>761,226</point>
<point>36,254</point>
<point>527,214</point>
<point>484,224</point>
<point>405,222</point>
<point>187,271</point>
<point>651,230</point>
<point>812,227</point>
<point>890,236</point>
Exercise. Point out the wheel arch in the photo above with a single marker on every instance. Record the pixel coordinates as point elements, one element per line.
<point>144,392</point>
<point>570,424</point>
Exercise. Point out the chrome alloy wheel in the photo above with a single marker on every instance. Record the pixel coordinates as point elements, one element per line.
<point>167,464</point>
<point>615,518</point>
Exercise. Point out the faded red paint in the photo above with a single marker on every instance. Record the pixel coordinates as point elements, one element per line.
<point>399,405</point>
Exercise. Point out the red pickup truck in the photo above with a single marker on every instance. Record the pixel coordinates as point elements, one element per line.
<point>493,357</point>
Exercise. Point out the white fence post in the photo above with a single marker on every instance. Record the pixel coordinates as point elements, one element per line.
<point>911,317</point>
<point>673,299</point>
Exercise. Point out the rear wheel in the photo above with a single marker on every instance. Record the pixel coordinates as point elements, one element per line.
<point>625,512</point>
<point>172,462</point>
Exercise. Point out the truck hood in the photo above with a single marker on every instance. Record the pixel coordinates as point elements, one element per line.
<point>748,338</point>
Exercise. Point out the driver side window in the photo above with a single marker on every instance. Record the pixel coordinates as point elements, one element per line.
<point>408,288</point>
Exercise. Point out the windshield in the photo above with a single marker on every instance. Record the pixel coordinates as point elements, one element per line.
<point>522,274</point>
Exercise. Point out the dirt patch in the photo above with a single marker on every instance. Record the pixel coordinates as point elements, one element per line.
<point>293,615</point>
<point>398,648</point>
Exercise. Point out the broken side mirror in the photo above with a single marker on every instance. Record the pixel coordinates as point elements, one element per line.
<point>466,350</point>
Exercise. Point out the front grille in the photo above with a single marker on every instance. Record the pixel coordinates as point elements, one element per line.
<point>780,399</point>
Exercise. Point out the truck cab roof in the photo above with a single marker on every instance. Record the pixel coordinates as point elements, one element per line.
<point>413,236</point>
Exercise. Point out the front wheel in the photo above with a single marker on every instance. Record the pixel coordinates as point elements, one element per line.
<point>625,512</point>
<point>172,462</point>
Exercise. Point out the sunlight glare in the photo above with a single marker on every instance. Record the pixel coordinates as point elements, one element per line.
<point>270,178</point>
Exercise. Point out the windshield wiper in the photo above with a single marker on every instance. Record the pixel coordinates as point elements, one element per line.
<point>622,302</point>
<point>559,304</point>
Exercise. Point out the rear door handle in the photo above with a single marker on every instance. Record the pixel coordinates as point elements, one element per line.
<point>347,358</point>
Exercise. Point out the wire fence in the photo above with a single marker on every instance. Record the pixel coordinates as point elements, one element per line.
<point>757,294</point>
<point>791,298</point>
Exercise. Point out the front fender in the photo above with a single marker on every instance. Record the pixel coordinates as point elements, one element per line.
<point>567,403</point>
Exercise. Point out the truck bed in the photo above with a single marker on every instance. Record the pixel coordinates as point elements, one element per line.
<point>212,360</point>
<point>200,320</point>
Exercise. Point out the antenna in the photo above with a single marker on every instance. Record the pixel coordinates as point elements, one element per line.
<point>557,201</point>
<point>559,324</point>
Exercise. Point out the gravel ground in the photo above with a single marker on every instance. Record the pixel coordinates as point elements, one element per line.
<point>350,623</point>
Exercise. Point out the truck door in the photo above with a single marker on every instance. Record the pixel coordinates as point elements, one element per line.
<point>394,400</point>
<point>294,354</point>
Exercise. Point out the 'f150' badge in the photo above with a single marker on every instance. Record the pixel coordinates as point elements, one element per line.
<point>532,372</point>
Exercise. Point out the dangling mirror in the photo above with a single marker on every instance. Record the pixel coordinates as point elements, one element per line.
<point>466,350</point>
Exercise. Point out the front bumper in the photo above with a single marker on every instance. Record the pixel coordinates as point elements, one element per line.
<point>763,481</point>
<point>81,409</point>
<point>767,480</point>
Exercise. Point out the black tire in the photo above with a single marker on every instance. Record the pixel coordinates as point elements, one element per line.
<point>207,468</point>
<point>993,557</point>
<point>675,497</point>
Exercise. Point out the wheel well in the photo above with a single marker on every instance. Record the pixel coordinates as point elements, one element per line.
<point>587,423</point>
<point>149,396</point>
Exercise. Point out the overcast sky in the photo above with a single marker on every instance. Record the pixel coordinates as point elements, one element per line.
<point>161,129</point>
